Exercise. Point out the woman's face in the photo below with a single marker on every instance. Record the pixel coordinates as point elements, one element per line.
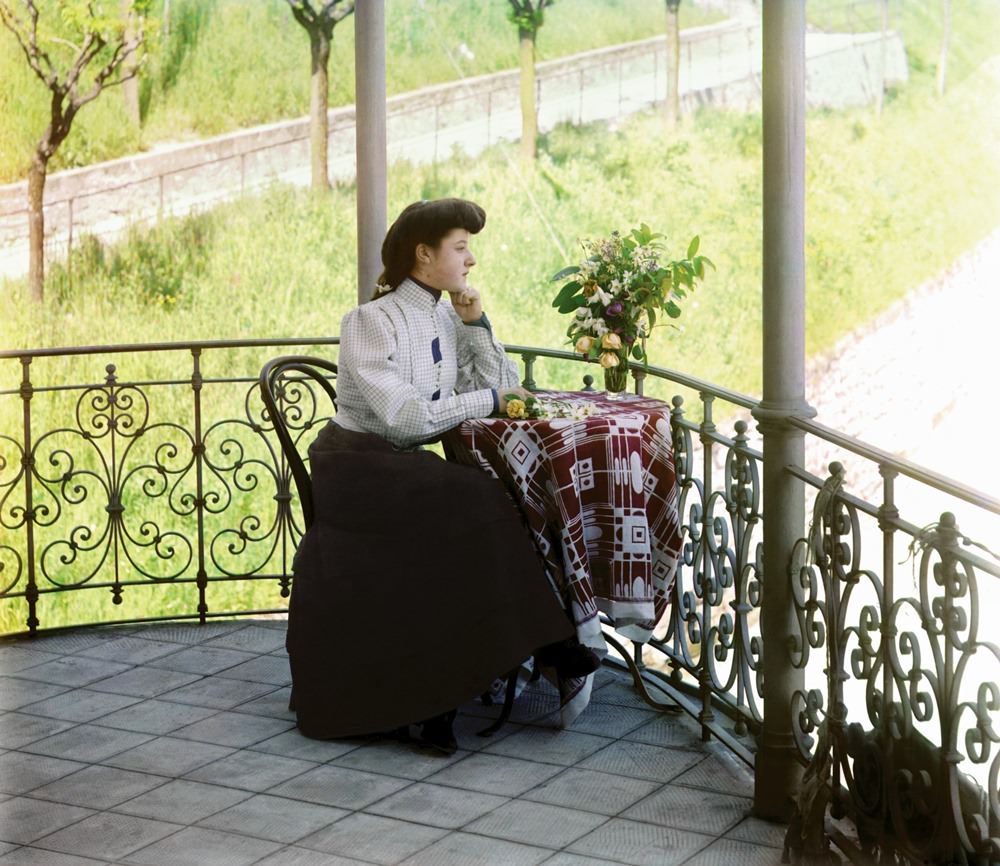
<point>447,265</point>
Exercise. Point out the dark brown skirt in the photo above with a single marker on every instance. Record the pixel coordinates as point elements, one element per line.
<point>415,587</point>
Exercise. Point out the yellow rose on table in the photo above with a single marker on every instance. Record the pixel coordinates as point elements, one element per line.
<point>611,341</point>
<point>609,359</point>
<point>583,345</point>
<point>516,408</point>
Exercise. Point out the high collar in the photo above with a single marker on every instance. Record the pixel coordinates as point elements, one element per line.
<point>436,293</point>
<point>417,293</point>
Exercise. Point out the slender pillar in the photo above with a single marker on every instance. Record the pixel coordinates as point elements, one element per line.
<point>370,128</point>
<point>778,770</point>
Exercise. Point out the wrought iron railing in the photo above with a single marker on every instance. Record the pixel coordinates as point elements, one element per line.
<point>145,483</point>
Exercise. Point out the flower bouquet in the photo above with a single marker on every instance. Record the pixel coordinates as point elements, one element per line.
<point>539,407</point>
<point>616,292</point>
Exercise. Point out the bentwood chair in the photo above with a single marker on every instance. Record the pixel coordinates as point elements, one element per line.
<point>290,400</point>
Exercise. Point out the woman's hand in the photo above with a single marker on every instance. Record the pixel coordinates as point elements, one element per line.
<point>468,304</point>
<point>504,393</point>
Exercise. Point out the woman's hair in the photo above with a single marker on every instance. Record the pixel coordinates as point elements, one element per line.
<point>423,222</point>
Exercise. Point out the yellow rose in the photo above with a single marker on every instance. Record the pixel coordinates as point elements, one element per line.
<point>611,341</point>
<point>583,345</point>
<point>609,359</point>
<point>516,408</point>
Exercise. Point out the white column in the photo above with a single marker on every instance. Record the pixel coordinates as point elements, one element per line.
<point>370,128</point>
<point>778,771</point>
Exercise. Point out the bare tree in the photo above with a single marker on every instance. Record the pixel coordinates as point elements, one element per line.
<point>130,70</point>
<point>528,16</point>
<point>319,19</point>
<point>93,36</point>
<point>673,101</point>
<point>942,70</point>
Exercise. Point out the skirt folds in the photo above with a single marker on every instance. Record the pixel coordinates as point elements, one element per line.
<point>415,587</point>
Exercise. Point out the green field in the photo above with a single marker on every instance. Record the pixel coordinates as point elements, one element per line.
<point>890,203</point>
<point>227,64</point>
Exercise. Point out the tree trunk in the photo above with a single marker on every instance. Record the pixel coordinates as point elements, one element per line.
<point>529,116</point>
<point>673,101</point>
<point>942,70</point>
<point>130,84</point>
<point>319,123</point>
<point>36,227</point>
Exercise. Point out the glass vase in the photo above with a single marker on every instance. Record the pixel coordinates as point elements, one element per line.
<point>616,379</point>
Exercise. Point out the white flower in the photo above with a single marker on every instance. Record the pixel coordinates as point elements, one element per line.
<point>582,312</point>
<point>599,328</point>
<point>603,297</point>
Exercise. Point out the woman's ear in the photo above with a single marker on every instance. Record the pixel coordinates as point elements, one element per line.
<point>423,254</point>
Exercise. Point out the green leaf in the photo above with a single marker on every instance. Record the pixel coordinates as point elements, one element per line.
<point>652,318</point>
<point>673,310</point>
<point>572,304</point>
<point>565,272</point>
<point>637,352</point>
<point>566,292</point>
<point>693,246</point>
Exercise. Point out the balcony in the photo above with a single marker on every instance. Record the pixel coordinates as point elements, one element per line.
<point>144,498</point>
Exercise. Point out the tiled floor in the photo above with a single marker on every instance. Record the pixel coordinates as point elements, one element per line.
<point>172,745</point>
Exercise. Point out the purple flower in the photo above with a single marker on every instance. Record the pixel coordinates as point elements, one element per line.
<point>614,309</point>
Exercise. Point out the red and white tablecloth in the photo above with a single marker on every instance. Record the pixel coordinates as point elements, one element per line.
<point>600,497</point>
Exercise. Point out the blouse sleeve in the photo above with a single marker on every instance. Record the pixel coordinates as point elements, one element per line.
<point>482,362</point>
<point>368,343</point>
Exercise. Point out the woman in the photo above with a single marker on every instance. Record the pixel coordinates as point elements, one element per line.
<point>417,584</point>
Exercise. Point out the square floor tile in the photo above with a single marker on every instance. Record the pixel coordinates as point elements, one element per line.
<point>98,787</point>
<point>23,820</point>
<point>70,642</point>
<point>261,669</point>
<point>609,720</point>
<point>339,786</point>
<point>292,744</point>
<point>536,824</point>
<point>189,633</point>
<point>727,851</point>
<point>675,731</point>
<point>73,671</point>
<point>295,856</point>
<point>16,693</point>
<point>462,849</point>
<point>373,838</point>
<point>640,844</point>
<point>233,729</point>
<point>169,757</point>
<point>201,659</point>
<point>107,836</point>
<point>549,746</point>
<point>154,717</point>
<point>88,743</point>
<point>20,773</point>
<point>620,694</point>
<point>720,771</point>
<point>130,650</point>
<point>31,856</point>
<point>403,760</point>
<point>217,692</point>
<point>79,705</point>
<point>769,833</point>
<point>182,802</point>
<point>198,846</point>
<point>564,858</point>
<point>252,638</point>
<point>19,729</point>
<point>691,809</point>
<point>252,771</point>
<point>144,682</point>
<point>592,791</point>
<point>495,774</point>
<point>276,818</point>
<point>641,761</point>
<point>467,728</point>
<point>436,805</point>
<point>17,658</point>
<point>273,704</point>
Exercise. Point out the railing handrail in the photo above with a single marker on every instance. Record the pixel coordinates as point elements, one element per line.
<point>884,459</point>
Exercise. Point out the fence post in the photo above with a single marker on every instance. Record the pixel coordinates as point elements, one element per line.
<point>28,464</point>
<point>199,502</point>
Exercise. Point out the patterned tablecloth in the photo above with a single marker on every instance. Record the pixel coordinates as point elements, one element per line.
<point>600,497</point>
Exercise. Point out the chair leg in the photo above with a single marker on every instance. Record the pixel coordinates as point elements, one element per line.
<point>508,705</point>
